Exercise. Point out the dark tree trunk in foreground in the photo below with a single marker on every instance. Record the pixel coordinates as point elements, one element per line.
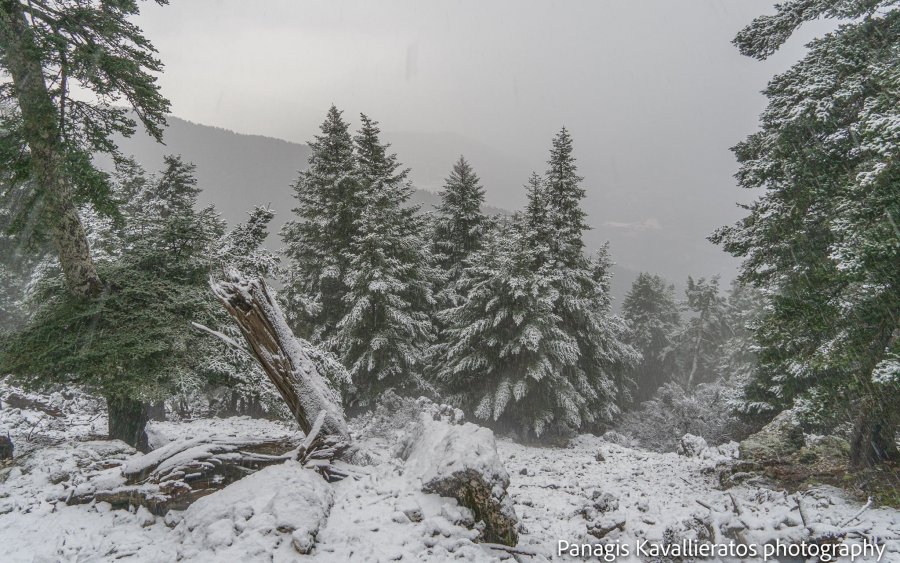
<point>874,438</point>
<point>42,134</point>
<point>127,421</point>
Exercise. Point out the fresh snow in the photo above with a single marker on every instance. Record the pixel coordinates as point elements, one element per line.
<point>379,513</point>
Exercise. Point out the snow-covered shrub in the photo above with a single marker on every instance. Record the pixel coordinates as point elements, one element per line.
<point>660,423</point>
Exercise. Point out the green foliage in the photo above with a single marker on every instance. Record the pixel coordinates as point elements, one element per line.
<point>822,239</point>
<point>654,319</point>
<point>83,46</point>
<point>532,345</point>
<point>316,243</point>
<point>134,339</point>
<point>386,329</point>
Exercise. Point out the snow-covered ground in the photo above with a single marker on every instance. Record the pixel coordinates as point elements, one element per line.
<point>379,514</point>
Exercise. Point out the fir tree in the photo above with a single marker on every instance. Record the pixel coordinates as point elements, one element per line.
<point>71,66</point>
<point>822,239</point>
<point>317,242</point>
<point>383,335</point>
<point>564,194</point>
<point>504,354</point>
<point>242,247</point>
<point>458,227</point>
<point>652,315</point>
<point>703,333</point>
<point>533,346</point>
<point>538,230</point>
<point>460,222</point>
<point>583,302</point>
<point>134,344</point>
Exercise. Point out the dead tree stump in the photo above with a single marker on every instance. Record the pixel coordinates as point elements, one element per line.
<point>282,355</point>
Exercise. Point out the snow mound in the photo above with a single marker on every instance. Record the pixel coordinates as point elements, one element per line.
<point>691,446</point>
<point>277,511</point>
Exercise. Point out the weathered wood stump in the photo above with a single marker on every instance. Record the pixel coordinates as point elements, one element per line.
<point>284,357</point>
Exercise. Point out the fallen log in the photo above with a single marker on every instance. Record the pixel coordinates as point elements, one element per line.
<point>174,476</point>
<point>19,401</point>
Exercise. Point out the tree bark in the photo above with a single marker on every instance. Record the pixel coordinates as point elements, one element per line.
<point>282,356</point>
<point>874,439</point>
<point>699,341</point>
<point>128,421</point>
<point>22,59</point>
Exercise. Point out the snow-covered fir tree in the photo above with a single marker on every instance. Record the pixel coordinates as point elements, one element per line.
<point>316,242</point>
<point>534,347</point>
<point>503,356</point>
<point>458,228</point>
<point>703,333</point>
<point>564,194</point>
<point>383,335</point>
<point>460,222</point>
<point>583,302</point>
<point>242,247</point>
<point>822,239</point>
<point>654,320</point>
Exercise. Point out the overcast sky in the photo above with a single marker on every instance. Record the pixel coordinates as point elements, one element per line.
<point>652,90</point>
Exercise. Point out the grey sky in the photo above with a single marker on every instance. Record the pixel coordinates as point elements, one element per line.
<point>653,91</point>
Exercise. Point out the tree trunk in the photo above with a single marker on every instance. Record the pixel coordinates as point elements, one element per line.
<point>874,439</point>
<point>41,131</point>
<point>128,421</point>
<point>690,380</point>
<point>156,411</point>
<point>282,356</point>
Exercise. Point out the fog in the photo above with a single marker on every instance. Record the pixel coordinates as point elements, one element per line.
<point>652,91</point>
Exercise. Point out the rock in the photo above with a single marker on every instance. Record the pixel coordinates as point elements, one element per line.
<point>523,471</point>
<point>605,502</point>
<point>6,447</point>
<point>601,527</point>
<point>777,440</point>
<point>459,515</point>
<point>412,511</point>
<point>614,437</point>
<point>691,446</point>
<point>461,461</point>
<point>825,448</point>
<point>599,456</point>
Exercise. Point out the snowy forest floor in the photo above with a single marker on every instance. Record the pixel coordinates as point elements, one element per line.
<point>639,494</point>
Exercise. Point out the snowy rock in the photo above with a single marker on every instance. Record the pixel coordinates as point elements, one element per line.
<point>277,507</point>
<point>412,511</point>
<point>617,438</point>
<point>729,450</point>
<point>459,515</point>
<point>604,525</point>
<point>691,446</point>
<point>605,502</point>
<point>461,461</point>
<point>778,439</point>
